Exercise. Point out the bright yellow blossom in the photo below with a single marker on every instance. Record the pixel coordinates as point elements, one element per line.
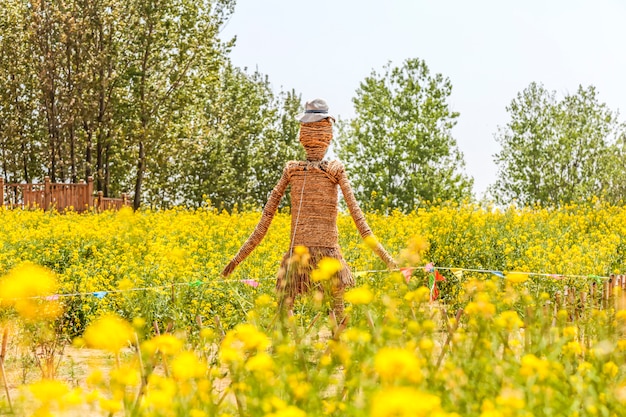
<point>326,269</point>
<point>508,320</point>
<point>109,333</point>
<point>167,344</point>
<point>359,295</point>
<point>396,364</point>
<point>516,277</point>
<point>404,402</point>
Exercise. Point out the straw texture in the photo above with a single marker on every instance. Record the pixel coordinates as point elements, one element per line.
<point>314,192</point>
<point>294,276</point>
<point>314,212</point>
<point>315,138</point>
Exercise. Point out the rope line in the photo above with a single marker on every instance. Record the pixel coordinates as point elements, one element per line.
<point>252,281</point>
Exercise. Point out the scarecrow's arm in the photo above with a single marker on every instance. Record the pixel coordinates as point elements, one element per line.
<point>261,228</point>
<point>361,223</point>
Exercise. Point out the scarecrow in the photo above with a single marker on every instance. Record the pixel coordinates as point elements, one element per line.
<point>314,233</point>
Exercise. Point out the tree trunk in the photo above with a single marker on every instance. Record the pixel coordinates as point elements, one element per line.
<point>25,162</point>
<point>107,171</point>
<point>141,167</point>
<point>88,157</point>
<point>100,161</point>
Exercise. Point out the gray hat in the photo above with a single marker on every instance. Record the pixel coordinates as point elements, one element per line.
<point>314,111</point>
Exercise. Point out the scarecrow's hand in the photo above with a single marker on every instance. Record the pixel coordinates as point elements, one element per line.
<point>229,268</point>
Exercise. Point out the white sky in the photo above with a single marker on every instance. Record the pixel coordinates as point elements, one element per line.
<point>489,49</point>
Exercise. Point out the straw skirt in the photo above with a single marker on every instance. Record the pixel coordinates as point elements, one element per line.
<point>294,275</point>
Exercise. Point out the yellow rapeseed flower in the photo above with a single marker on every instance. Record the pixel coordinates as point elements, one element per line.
<point>405,402</point>
<point>393,364</point>
<point>413,253</point>
<point>109,333</point>
<point>516,277</point>
<point>111,405</point>
<point>26,287</point>
<point>481,307</point>
<point>160,393</point>
<point>532,366</point>
<point>511,399</point>
<point>300,250</point>
<point>508,320</point>
<point>359,295</point>
<point>27,280</point>
<point>289,411</point>
<point>355,335</point>
<point>261,363</point>
<point>167,344</point>
<point>251,337</point>
<point>244,338</point>
<point>573,348</point>
<point>125,376</point>
<point>48,390</point>
<point>610,369</point>
<point>326,269</point>
<point>186,365</point>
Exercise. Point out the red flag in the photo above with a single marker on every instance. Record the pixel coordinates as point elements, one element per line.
<point>439,277</point>
<point>435,293</point>
<point>407,273</point>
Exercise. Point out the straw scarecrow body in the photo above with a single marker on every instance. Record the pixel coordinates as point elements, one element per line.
<point>314,197</point>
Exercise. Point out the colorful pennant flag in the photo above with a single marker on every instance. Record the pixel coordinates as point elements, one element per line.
<point>458,272</point>
<point>596,279</point>
<point>250,282</point>
<point>433,278</point>
<point>407,272</point>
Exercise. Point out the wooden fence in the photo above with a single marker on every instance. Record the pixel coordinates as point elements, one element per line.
<point>59,196</point>
<point>606,294</point>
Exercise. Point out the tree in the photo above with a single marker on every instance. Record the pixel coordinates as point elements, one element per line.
<point>139,94</point>
<point>176,47</point>
<point>19,119</point>
<point>244,137</point>
<point>399,149</point>
<point>559,151</point>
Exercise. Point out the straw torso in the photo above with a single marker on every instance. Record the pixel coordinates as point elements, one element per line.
<point>314,194</point>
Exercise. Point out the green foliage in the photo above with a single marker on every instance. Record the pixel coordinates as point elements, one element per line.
<point>399,149</point>
<point>560,151</point>
<point>140,95</point>
<point>248,134</point>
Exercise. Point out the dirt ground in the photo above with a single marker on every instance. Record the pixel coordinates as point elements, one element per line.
<point>73,368</point>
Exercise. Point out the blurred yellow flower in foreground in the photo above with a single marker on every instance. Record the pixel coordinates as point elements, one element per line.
<point>509,320</point>
<point>167,344</point>
<point>397,364</point>
<point>109,333</point>
<point>29,288</point>
<point>289,411</point>
<point>48,390</point>
<point>261,363</point>
<point>413,253</point>
<point>405,401</point>
<point>359,295</point>
<point>186,365</point>
<point>326,269</point>
<point>481,307</point>
<point>244,338</point>
<point>516,277</point>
